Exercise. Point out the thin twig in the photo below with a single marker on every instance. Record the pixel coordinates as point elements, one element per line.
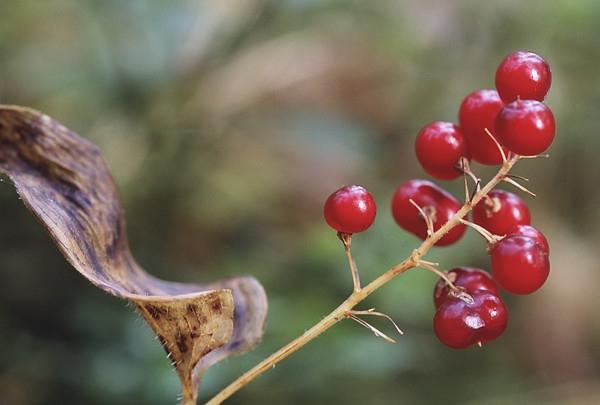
<point>376,332</point>
<point>358,296</point>
<point>430,267</point>
<point>543,156</point>
<point>426,218</point>
<point>465,167</point>
<point>477,188</point>
<point>517,177</point>
<point>519,186</point>
<point>381,314</point>
<point>490,237</point>
<point>434,264</point>
<point>500,148</point>
<point>467,192</point>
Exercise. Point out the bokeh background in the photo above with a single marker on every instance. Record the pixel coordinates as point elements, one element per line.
<point>226,125</point>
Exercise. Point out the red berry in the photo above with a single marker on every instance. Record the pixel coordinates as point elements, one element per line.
<point>477,112</point>
<point>500,212</point>
<point>470,279</point>
<point>439,147</point>
<point>520,264</point>
<point>523,75</point>
<point>525,127</point>
<point>531,232</point>
<point>462,322</point>
<point>437,203</point>
<point>350,209</point>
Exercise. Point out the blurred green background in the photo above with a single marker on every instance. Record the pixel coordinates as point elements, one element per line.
<point>226,125</point>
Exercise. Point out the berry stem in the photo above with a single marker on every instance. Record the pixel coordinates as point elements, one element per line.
<point>500,149</point>
<point>425,216</point>
<point>465,167</point>
<point>488,236</point>
<point>430,267</point>
<point>346,239</point>
<point>358,296</point>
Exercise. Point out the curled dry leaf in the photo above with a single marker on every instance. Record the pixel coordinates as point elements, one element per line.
<point>66,184</point>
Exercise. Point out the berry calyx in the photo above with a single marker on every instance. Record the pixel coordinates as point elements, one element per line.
<point>461,322</point>
<point>438,205</point>
<point>467,279</point>
<point>351,209</point>
<point>524,75</point>
<point>531,232</point>
<point>439,147</point>
<point>500,211</point>
<point>525,127</point>
<point>477,113</point>
<point>519,264</point>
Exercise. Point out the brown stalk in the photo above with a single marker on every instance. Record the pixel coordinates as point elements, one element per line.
<point>356,297</point>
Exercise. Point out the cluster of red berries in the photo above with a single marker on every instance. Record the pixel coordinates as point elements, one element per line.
<point>514,114</point>
<point>512,117</point>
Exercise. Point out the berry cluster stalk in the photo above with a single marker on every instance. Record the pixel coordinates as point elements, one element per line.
<point>357,296</point>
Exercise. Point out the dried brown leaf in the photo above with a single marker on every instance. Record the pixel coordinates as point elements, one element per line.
<point>66,184</point>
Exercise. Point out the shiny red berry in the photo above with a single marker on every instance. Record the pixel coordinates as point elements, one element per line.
<point>501,211</point>
<point>460,322</point>
<point>531,232</point>
<point>523,75</point>
<point>470,279</point>
<point>439,147</point>
<point>438,204</point>
<point>350,209</point>
<point>519,264</point>
<point>525,127</point>
<point>477,112</point>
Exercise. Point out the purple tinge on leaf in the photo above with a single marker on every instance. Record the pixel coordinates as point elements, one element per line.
<point>64,181</point>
